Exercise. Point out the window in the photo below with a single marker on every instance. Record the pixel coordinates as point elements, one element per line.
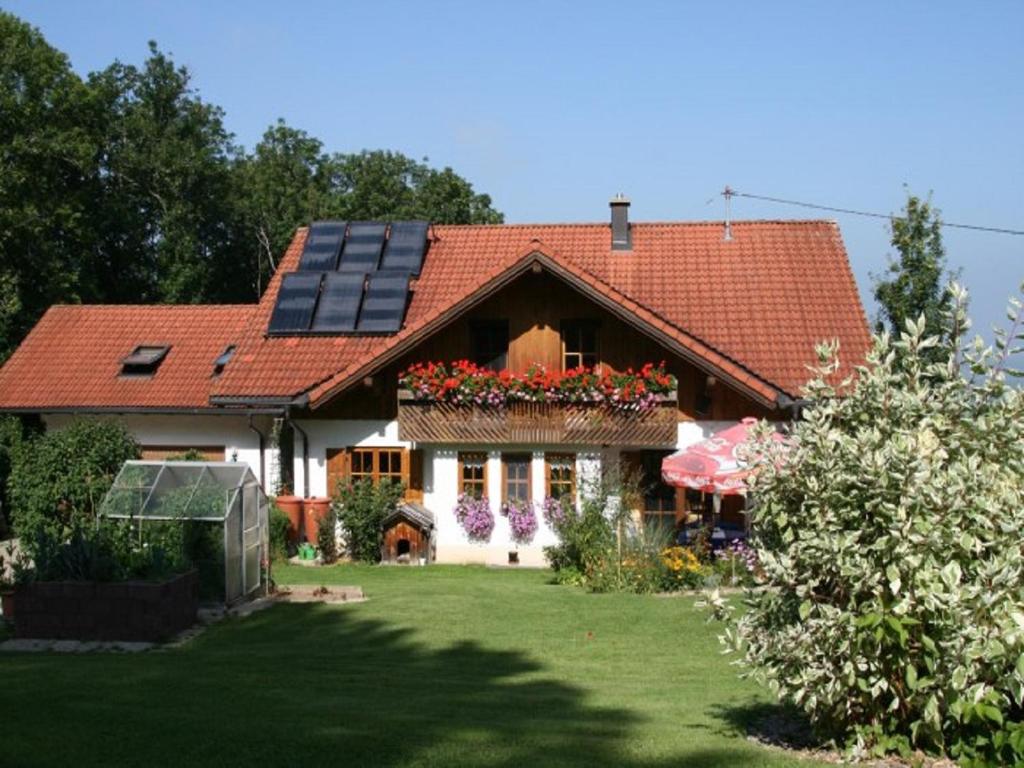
<point>579,344</point>
<point>561,479</point>
<point>473,474</point>
<point>222,361</point>
<point>144,360</point>
<point>345,465</point>
<point>658,502</point>
<point>489,343</point>
<point>376,464</point>
<point>515,484</point>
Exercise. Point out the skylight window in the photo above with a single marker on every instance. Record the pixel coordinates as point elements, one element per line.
<point>144,360</point>
<point>223,360</point>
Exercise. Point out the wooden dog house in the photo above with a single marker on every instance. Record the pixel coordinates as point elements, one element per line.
<point>408,535</point>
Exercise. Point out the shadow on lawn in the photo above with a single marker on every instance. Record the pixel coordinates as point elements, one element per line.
<point>311,685</point>
<point>767,723</point>
<point>363,692</point>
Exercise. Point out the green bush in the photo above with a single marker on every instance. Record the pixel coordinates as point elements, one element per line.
<point>585,537</point>
<point>888,537</point>
<point>361,507</point>
<point>12,434</point>
<point>61,476</point>
<point>110,551</point>
<point>279,526</point>
<point>327,537</point>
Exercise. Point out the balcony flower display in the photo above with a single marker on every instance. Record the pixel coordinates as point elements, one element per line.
<point>464,383</point>
<point>522,520</point>
<point>475,517</point>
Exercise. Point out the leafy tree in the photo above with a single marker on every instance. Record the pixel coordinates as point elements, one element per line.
<point>127,187</point>
<point>165,170</point>
<point>289,181</point>
<point>285,182</point>
<point>889,604</point>
<point>46,156</point>
<point>62,476</point>
<point>914,284</point>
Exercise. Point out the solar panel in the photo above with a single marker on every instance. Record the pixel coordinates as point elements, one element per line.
<point>339,302</point>
<point>384,303</point>
<point>406,245</point>
<point>362,247</point>
<point>323,244</point>
<point>295,303</point>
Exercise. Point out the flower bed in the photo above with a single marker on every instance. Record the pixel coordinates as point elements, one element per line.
<point>464,383</point>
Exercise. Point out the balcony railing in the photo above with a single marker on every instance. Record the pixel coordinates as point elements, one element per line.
<point>526,423</point>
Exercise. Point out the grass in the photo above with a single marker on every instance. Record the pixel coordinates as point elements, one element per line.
<point>443,666</point>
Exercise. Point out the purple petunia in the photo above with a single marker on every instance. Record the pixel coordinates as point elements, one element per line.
<point>522,520</point>
<point>475,517</point>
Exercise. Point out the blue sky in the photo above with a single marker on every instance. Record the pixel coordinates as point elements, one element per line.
<point>551,107</point>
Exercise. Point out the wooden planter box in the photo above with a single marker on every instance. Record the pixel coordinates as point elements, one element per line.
<point>90,610</point>
<point>522,423</point>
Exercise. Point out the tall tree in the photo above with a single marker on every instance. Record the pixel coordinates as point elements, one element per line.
<point>46,160</point>
<point>915,282</point>
<point>165,171</point>
<point>286,181</point>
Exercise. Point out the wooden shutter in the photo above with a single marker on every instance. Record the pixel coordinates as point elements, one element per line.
<point>339,468</point>
<point>412,474</point>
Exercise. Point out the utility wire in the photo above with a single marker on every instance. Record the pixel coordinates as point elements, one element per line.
<point>733,193</point>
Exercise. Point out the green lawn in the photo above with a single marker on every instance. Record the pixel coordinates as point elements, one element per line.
<point>442,666</point>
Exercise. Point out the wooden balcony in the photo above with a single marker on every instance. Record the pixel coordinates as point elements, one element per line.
<point>523,423</point>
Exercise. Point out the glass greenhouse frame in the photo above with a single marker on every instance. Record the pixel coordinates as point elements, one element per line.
<point>209,492</point>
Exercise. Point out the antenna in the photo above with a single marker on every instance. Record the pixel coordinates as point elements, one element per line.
<point>728,194</point>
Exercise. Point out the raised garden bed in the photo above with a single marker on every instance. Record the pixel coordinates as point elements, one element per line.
<point>88,610</point>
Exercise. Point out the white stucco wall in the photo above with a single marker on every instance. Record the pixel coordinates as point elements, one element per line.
<point>441,481</point>
<point>185,430</point>
<point>370,433</point>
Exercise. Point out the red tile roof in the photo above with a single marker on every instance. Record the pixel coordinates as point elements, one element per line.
<point>72,358</point>
<point>752,308</point>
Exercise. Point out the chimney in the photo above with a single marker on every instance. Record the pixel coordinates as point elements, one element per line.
<point>622,238</point>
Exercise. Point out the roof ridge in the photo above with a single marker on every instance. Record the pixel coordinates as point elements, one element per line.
<point>654,223</point>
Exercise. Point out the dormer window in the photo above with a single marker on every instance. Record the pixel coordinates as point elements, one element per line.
<point>223,360</point>
<point>144,360</point>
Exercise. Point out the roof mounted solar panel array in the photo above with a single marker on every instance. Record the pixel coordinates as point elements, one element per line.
<point>323,244</point>
<point>363,246</point>
<point>352,278</point>
<point>296,301</point>
<point>384,305</point>
<point>339,304</point>
<point>406,245</point>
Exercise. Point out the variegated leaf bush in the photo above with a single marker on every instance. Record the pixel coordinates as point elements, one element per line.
<point>889,530</point>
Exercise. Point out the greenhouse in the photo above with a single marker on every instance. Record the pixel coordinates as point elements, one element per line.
<point>220,504</point>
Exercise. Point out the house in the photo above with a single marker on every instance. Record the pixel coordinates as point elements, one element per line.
<point>304,385</point>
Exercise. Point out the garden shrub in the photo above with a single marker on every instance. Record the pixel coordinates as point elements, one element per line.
<point>279,528</point>
<point>888,535</point>
<point>327,537</point>
<point>361,507</point>
<point>110,551</point>
<point>61,476</point>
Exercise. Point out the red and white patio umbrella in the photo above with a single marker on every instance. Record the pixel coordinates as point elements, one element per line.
<point>712,465</point>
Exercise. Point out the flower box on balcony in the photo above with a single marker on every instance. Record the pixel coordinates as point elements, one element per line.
<point>532,423</point>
